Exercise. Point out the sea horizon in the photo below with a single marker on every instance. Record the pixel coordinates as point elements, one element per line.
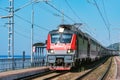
<point>15,56</point>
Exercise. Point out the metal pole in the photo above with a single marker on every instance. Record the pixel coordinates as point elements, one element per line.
<point>11,31</point>
<point>32,27</point>
<point>62,17</point>
<point>23,58</point>
<point>32,30</point>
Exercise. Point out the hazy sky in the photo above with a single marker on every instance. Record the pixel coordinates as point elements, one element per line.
<point>46,18</point>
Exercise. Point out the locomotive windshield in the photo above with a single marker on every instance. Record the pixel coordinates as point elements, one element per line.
<point>61,38</point>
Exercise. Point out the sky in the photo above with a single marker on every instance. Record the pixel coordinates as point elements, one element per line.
<point>47,18</point>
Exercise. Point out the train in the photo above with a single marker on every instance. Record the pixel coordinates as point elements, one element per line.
<point>67,46</point>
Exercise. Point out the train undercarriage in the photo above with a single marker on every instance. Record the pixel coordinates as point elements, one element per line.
<point>60,62</point>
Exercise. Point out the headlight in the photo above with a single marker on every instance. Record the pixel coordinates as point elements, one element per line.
<point>51,51</point>
<point>69,51</point>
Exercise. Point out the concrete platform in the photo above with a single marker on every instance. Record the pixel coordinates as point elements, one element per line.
<point>11,75</point>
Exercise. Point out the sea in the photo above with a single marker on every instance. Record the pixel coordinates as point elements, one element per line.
<point>16,56</point>
<point>20,62</point>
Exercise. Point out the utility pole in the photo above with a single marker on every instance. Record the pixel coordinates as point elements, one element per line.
<point>11,31</point>
<point>32,34</point>
<point>32,28</point>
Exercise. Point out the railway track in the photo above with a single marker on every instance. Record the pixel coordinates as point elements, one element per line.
<point>93,71</point>
<point>36,75</point>
<point>57,74</point>
<point>82,76</point>
<point>44,76</point>
<point>66,75</point>
<point>105,74</point>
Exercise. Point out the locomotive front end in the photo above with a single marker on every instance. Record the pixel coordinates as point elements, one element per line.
<point>61,48</point>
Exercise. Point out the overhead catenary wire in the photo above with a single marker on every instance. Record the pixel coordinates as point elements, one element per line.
<point>108,23</point>
<point>54,7</point>
<point>108,28</point>
<point>25,19</point>
<point>27,4</point>
<point>26,31</point>
<point>3,9</point>
<point>60,12</point>
<point>31,23</point>
<point>72,10</point>
<point>19,18</point>
<point>27,22</point>
<point>25,36</point>
<point>36,24</point>
<point>18,33</point>
<point>52,13</point>
<point>105,13</point>
<point>90,2</point>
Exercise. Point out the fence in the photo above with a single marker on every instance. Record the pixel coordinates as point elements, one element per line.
<point>7,64</point>
<point>20,63</point>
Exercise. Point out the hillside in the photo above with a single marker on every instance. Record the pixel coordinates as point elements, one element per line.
<point>115,46</point>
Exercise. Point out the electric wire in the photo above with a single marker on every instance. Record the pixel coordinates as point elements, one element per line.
<point>90,2</point>
<point>25,36</point>
<point>108,28</point>
<point>31,23</point>
<point>107,20</point>
<point>73,10</point>
<point>105,12</point>
<point>18,33</point>
<point>3,9</point>
<point>22,19</point>
<point>27,4</point>
<point>52,13</point>
<point>60,11</point>
<point>27,30</point>
<point>27,20</point>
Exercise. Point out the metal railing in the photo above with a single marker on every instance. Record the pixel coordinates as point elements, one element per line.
<point>38,59</point>
<point>19,63</point>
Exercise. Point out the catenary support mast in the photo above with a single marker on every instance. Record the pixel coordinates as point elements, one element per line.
<point>11,31</point>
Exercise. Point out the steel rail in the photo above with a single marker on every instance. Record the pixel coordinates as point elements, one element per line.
<point>35,75</point>
<point>87,73</point>
<point>105,74</point>
<point>55,76</point>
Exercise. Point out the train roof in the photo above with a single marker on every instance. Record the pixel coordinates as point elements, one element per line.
<point>93,39</point>
<point>90,37</point>
<point>67,29</point>
<point>57,31</point>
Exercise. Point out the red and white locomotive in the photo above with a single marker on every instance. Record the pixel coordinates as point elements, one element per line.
<point>68,45</point>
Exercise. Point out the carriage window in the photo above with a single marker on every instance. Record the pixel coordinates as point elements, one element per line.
<point>66,38</point>
<point>61,38</point>
<point>55,38</point>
